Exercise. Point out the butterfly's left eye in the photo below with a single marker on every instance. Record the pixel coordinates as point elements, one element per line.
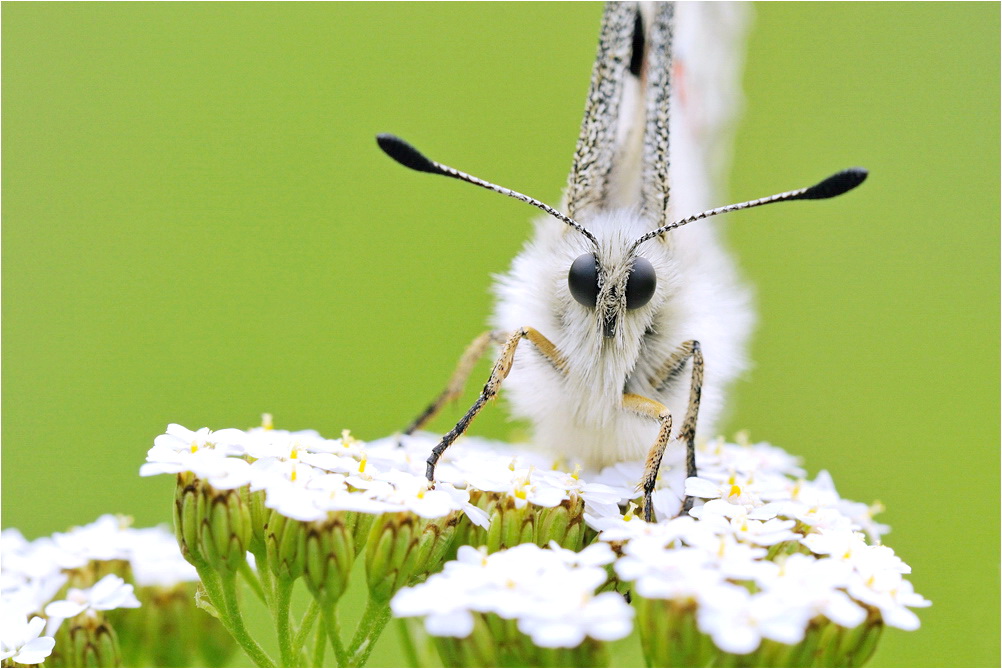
<point>641,283</point>
<point>582,279</point>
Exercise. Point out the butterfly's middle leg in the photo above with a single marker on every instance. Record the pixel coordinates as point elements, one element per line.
<point>498,374</point>
<point>673,366</point>
<point>457,383</point>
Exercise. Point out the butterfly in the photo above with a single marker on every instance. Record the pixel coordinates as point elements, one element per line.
<point>619,325</point>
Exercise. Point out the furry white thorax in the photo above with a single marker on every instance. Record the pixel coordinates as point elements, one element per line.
<point>697,297</point>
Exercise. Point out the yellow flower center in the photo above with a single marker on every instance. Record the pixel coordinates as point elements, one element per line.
<point>630,512</point>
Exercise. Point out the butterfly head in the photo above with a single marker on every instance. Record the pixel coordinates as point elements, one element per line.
<point>613,285</point>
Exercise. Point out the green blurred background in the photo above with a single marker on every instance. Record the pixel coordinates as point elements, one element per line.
<point>198,227</point>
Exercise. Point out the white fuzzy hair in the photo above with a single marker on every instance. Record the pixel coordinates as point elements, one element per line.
<point>698,295</point>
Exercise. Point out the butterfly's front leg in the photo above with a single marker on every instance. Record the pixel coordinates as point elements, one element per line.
<point>493,385</point>
<point>672,366</point>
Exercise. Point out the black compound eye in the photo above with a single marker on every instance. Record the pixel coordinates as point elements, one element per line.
<point>640,284</point>
<point>582,279</point>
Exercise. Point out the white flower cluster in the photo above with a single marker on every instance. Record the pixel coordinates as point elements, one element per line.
<point>765,554</point>
<point>306,476</point>
<point>33,573</point>
<point>800,546</point>
<point>550,592</point>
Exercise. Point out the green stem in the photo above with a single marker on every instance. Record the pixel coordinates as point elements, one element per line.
<point>319,646</point>
<point>407,641</point>
<point>376,615</point>
<point>254,582</point>
<point>234,621</point>
<point>210,581</point>
<point>309,619</point>
<point>333,626</point>
<point>283,626</point>
<point>264,575</point>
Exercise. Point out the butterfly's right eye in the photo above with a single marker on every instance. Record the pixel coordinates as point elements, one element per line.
<point>582,279</point>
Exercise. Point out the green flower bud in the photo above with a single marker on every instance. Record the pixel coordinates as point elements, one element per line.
<point>669,635</point>
<point>358,524</point>
<point>403,548</point>
<point>186,521</point>
<point>496,642</point>
<point>829,645</point>
<point>259,515</point>
<point>563,523</point>
<point>862,646</point>
<point>86,641</point>
<point>509,525</point>
<point>329,550</point>
<point>477,650</point>
<point>212,526</point>
<point>285,541</point>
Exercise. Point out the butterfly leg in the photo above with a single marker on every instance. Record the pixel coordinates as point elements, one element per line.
<point>647,407</point>
<point>672,367</point>
<point>457,383</point>
<point>498,374</point>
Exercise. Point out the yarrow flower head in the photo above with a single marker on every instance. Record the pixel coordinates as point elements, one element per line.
<point>551,593</point>
<point>516,557</point>
<point>763,569</point>
<point>79,584</point>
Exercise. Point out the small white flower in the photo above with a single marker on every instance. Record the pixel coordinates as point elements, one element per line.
<point>39,559</point>
<point>412,493</point>
<point>104,539</point>
<point>817,584</point>
<point>20,640</point>
<point>888,591</point>
<point>597,495</point>
<point>178,438</point>
<point>734,489</point>
<point>213,465</point>
<point>29,596</point>
<point>549,591</point>
<point>748,526</point>
<point>761,458</point>
<point>738,621</point>
<point>862,516</point>
<point>523,486</point>
<point>156,559</point>
<point>678,574</point>
<point>851,547</point>
<point>274,471</point>
<point>605,617</point>
<point>111,592</point>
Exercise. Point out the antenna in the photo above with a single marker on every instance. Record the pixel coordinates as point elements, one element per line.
<point>408,156</point>
<point>836,184</point>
